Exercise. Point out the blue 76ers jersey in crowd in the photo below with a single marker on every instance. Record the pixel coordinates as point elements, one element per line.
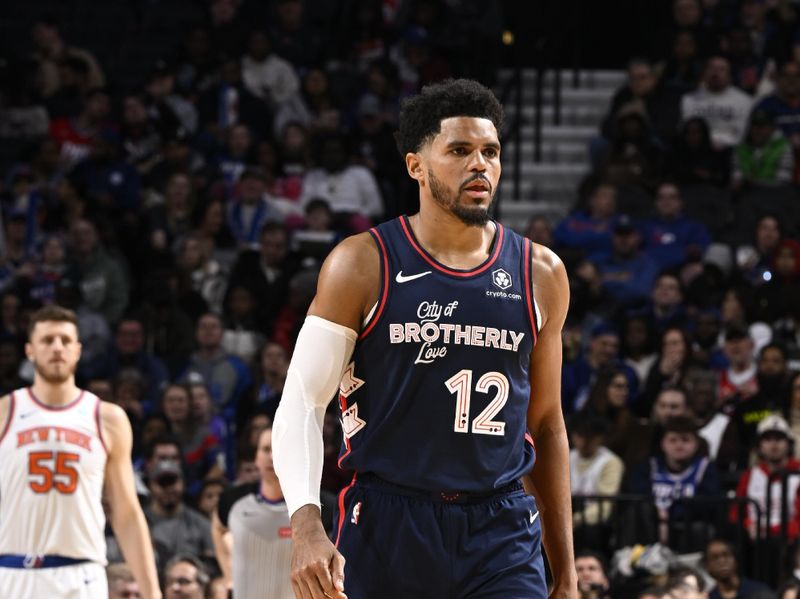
<point>437,393</point>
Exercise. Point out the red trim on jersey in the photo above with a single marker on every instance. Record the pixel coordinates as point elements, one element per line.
<point>7,425</point>
<point>440,267</point>
<point>529,439</point>
<point>527,268</point>
<point>343,407</point>
<point>43,405</point>
<point>99,427</point>
<point>342,493</point>
<point>385,291</point>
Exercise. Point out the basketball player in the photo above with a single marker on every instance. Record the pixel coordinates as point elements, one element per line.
<point>440,312</point>
<point>252,533</point>
<point>58,446</point>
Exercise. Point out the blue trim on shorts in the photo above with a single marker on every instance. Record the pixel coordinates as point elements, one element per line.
<point>35,562</point>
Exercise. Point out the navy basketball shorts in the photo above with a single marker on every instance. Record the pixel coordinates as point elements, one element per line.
<point>401,543</point>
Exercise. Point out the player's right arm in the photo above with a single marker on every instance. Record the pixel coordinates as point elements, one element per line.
<point>346,291</point>
<point>127,518</point>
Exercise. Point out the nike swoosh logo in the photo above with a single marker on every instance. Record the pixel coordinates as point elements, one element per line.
<point>405,279</point>
<point>26,414</point>
<point>534,516</point>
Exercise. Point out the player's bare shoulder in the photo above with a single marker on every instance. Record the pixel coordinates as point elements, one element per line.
<point>115,426</point>
<point>550,283</point>
<point>349,281</point>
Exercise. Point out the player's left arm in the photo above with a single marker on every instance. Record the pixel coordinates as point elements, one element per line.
<point>550,476</point>
<point>127,518</point>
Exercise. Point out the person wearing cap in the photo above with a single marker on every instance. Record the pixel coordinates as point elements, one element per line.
<point>628,274</point>
<point>774,448</point>
<point>174,526</point>
<point>764,157</point>
<point>737,382</point>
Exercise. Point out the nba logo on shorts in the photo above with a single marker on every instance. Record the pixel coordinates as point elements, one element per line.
<point>356,513</point>
<point>501,278</point>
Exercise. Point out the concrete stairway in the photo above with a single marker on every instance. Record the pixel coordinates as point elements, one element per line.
<point>548,187</point>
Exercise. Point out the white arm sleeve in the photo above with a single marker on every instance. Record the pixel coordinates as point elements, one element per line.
<point>321,354</point>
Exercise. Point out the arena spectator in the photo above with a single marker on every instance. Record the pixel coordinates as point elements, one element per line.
<point>763,482</point>
<point>174,527</point>
<point>103,281</point>
<point>694,160</point>
<point>594,470</point>
<point>670,237</point>
<point>589,232</point>
<point>701,387</point>
<point>208,497</point>
<point>241,337</point>
<point>204,273</point>
<point>764,156</point>
<point>628,273</point>
<point>723,106</point>
<point>350,190</point>
<point>579,374</point>
<point>682,68</point>
<point>721,563</point>
<point>776,298</point>
<point>755,262</point>
<point>51,49</point>
<point>738,382</point>
<point>128,352</point>
<point>267,272</point>
<point>681,471</point>
<point>782,105</point>
<point>121,583</point>
<point>169,220</point>
<point>169,111</point>
<point>225,375</point>
<point>201,450</point>
<point>670,370</point>
<point>634,155</point>
<point>74,135</point>
<point>267,75</point>
<point>667,306</point>
<point>686,583</point>
<point>593,580</point>
<point>771,376</point>
<point>185,577</point>
<point>253,208</point>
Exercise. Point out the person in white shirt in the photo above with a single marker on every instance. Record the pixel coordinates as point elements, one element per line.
<point>267,75</point>
<point>724,107</point>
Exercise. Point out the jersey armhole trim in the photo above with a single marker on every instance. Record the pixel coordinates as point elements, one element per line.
<point>9,418</point>
<point>529,299</point>
<point>99,424</point>
<point>384,288</point>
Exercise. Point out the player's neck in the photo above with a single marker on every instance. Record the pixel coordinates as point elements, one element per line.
<point>443,235</point>
<point>54,394</point>
<point>270,489</point>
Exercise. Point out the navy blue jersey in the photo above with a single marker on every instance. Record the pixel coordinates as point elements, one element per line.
<point>437,393</point>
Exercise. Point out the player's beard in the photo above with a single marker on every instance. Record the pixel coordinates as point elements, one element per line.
<point>55,376</point>
<point>473,216</point>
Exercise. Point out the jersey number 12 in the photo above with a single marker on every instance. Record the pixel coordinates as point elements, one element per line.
<point>461,384</point>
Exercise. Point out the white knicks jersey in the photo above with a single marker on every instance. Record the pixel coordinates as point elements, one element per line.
<point>52,466</point>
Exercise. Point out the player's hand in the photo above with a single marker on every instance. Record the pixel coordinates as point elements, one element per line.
<point>317,567</point>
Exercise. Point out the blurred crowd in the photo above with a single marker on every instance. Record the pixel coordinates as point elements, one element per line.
<point>183,209</point>
<point>682,346</point>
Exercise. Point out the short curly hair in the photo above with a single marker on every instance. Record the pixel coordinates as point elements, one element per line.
<point>421,115</point>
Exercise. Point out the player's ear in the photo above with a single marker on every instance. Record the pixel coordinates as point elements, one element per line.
<point>29,351</point>
<point>414,166</point>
